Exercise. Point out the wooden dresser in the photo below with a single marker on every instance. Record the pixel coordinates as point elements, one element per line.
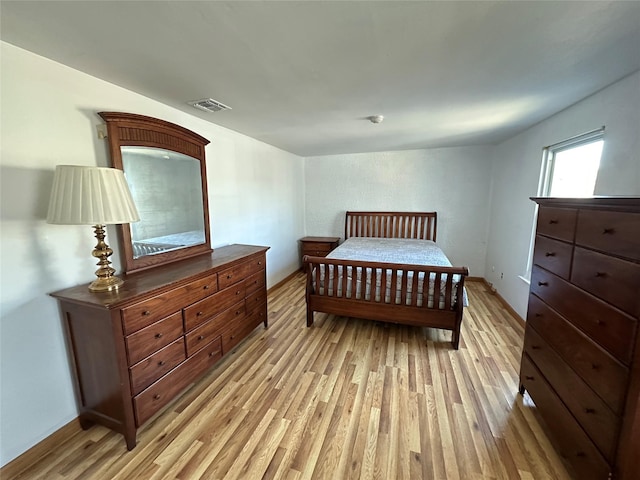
<point>137,348</point>
<point>581,357</point>
<point>317,246</point>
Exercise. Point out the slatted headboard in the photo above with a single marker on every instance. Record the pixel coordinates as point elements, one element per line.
<point>417,225</point>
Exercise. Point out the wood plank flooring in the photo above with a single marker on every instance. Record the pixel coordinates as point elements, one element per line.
<point>343,399</point>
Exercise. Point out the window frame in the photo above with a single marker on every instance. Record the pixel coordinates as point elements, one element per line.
<point>549,156</point>
<point>546,175</point>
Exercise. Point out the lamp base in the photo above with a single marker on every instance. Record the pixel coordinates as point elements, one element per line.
<point>106,281</point>
<point>105,284</point>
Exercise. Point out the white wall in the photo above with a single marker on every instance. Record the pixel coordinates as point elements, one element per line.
<point>256,195</point>
<point>455,182</point>
<point>516,171</point>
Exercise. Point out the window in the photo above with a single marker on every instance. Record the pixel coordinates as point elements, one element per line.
<point>569,169</point>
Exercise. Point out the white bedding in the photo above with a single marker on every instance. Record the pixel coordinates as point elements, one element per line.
<point>165,243</point>
<point>390,250</point>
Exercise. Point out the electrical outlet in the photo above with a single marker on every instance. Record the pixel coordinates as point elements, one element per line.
<point>501,275</point>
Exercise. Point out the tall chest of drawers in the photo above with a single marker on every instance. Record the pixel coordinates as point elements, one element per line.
<point>581,356</point>
<point>135,349</point>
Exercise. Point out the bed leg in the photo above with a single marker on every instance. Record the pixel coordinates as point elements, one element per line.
<point>455,338</point>
<point>309,317</point>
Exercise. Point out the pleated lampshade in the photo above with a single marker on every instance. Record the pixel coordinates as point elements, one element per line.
<point>90,196</point>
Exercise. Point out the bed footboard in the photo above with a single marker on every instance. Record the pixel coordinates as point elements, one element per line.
<point>418,295</point>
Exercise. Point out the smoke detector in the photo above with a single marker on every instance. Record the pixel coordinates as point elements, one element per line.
<point>376,118</point>
<point>209,105</point>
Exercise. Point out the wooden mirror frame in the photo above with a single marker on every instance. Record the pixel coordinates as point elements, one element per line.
<point>128,129</point>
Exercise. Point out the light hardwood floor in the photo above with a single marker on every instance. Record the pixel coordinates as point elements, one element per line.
<point>343,399</point>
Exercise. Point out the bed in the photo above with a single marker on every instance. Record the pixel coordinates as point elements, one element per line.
<point>390,269</point>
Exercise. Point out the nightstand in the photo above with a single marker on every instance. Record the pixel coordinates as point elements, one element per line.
<point>317,246</point>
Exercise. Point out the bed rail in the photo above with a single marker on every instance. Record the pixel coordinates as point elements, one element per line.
<point>416,225</point>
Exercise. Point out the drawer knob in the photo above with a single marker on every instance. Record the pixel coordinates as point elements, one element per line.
<point>211,354</point>
<point>146,313</point>
<point>158,335</point>
<point>600,322</point>
<point>529,377</point>
<point>200,337</point>
<point>228,277</point>
<point>260,263</point>
<point>238,292</point>
<point>553,222</point>
<point>608,231</point>
<point>161,363</point>
<point>156,396</point>
<point>589,410</point>
<point>543,284</point>
<point>535,347</point>
<point>550,254</point>
<point>238,312</point>
<point>601,274</point>
<point>537,314</point>
<point>206,287</point>
<point>595,366</point>
<point>232,337</point>
<point>199,314</point>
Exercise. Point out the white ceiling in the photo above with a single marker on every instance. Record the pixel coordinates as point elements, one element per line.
<point>304,75</point>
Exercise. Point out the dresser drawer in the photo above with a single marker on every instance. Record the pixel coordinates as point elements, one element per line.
<point>553,255</point>
<point>205,333</point>
<point>594,416</point>
<point>572,442</point>
<point>255,282</point>
<point>558,223</point>
<point>255,300</point>
<point>146,341</point>
<point>316,249</point>
<point>614,280</point>
<point>213,305</point>
<point>611,232</point>
<point>606,376</point>
<point>257,316</point>
<point>150,369</point>
<point>149,311</point>
<point>240,272</point>
<point>151,400</point>
<point>607,326</point>
<point>237,332</point>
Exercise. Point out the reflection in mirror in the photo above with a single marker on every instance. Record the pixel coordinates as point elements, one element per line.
<point>167,189</point>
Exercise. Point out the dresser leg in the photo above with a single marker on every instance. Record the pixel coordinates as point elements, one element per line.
<point>130,438</point>
<point>521,389</point>
<point>85,423</point>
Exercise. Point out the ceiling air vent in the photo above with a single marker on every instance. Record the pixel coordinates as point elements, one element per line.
<point>209,105</point>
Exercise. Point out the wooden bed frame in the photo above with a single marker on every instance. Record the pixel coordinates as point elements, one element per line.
<point>326,293</point>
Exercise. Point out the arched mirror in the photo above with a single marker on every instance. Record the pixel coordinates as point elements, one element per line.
<point>164,165</point>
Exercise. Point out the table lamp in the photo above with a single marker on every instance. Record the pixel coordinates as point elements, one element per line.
<point>93,196</point>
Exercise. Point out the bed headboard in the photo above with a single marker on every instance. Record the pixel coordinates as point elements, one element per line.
<point>417,225</point>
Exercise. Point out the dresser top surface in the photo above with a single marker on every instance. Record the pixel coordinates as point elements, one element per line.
<point>620,203</point>
<point>164,277</point>
<point>320,239</point>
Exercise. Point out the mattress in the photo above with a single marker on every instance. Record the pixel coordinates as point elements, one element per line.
<point>389,250</point>
<point>165,243</point>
